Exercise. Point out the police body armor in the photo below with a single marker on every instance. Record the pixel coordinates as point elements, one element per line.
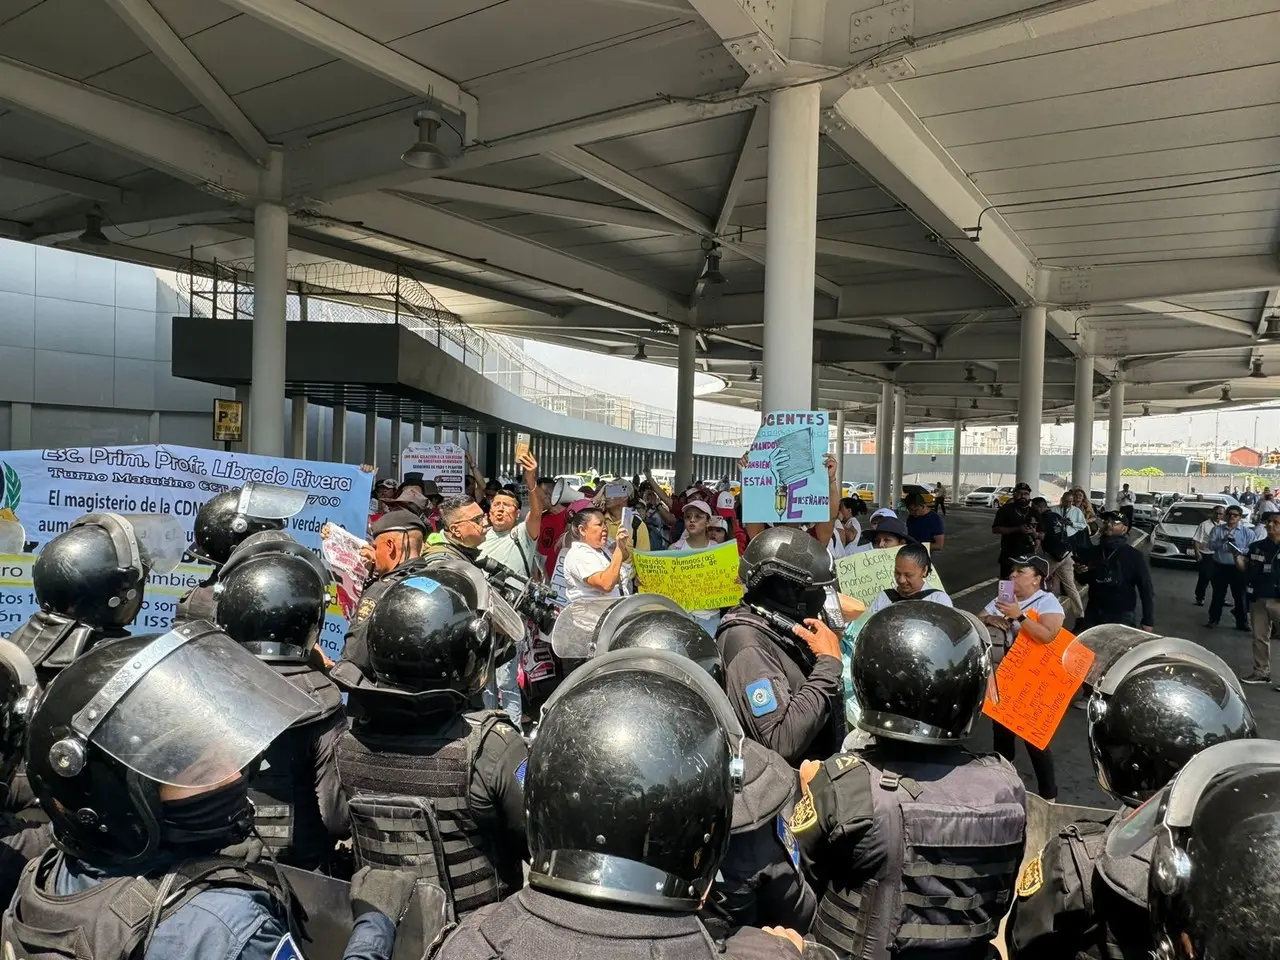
<point>286,812</point>
<point>51,641</point>
<point>954,837</point>
<point>408,798</point>
<point>116,918</point>
<point>197,603</point>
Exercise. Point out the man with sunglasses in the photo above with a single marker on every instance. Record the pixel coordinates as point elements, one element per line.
<point>1118,578</point>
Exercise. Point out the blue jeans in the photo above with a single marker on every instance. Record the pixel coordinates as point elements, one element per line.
<point>504,690</point>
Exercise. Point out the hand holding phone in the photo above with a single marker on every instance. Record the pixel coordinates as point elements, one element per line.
<point>1005,593</point>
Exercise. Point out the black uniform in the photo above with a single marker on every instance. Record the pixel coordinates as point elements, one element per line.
<point>355,649</point>
<point>1118,579</point>
<point>1015,513</point>
<point>198,602</point>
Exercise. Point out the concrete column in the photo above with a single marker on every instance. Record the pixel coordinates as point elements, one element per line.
<point>840,449</point>
<point>439,433</point>
<point>270,256</point>
<point>20,426</point>
<point>884,447</point>
<point>957,435</point>
<point>899,444</point>
<point>339,441</point>
<point>815,385</point>
<point>790,247</point>
<point>687,354</point>
<point>397,429</point>
<point>1115,443</point>
<point>298,428</point>
<point>417,429</point>
<point>1031,396</point>
<point>244,395</point>
<point>1082,448</point>
<point>371,437</point>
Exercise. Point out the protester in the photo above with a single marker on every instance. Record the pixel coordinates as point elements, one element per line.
<point>653,510</point>
<point>911,568</point>
<point>1261,570</point>
<point>554,518</point>
<point>1090,519</point>
<point>1268,503</point>
<point>848,530</point>
<point>1204,555</point>
<point>697,537</point>
<point>1227,542</point>
<point>1016,527</point>
<point>1118,578</point>
<point>924,524</point>
<point>890,532</point>
<point>1008,619</point>
<point>726,507</point>
<point>592,570</point>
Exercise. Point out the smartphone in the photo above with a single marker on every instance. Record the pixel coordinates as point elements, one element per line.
<point>615,491</point>
<point>522,445</point>
<point>1005,594</point>
<point>1236,550</point>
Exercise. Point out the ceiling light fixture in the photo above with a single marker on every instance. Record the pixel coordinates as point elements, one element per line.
<point>1057,421</point>
<point>896,349</point>
<point>1271,329</point>
<point>928,412</point>
<point>1146,410</point>
<point>755,374</point>
<point>969,375</point>
<point>711,263</point>
<point>973,404</point>
<point>426,153</point>
<point>93,235</point>
<point>1226,393</point>
<point>1256,373</point>
<point>639,351</point>
<point>997,390</point>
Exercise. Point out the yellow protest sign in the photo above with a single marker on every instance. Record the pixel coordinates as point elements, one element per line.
<point>695,579</point>
<point>863,575</point>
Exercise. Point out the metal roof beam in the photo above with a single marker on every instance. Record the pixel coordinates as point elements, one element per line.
<point>335,38</point>
<point>1203,318</point>
<point>1159,280</point>
<point>579,318</point>
<point>757,136</point>
<point>68,183</point>
<point>151,28</point>
<point>870,253</point>
<point>180,148</point>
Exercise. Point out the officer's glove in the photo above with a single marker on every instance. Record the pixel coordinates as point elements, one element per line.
<point>387,892</point>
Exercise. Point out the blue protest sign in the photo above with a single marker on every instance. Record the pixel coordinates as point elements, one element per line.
<point>785,480</point>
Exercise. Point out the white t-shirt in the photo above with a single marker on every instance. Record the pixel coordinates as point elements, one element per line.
<point>882,600</point>
<point>1268,506</point>
<point>1201,537</point>
<point>582,561</point>
<point>1042,602</point>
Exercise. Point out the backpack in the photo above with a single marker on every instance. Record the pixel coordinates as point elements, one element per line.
<point>1056,542</point>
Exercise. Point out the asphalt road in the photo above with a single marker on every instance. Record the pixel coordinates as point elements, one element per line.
<point>968,561</point>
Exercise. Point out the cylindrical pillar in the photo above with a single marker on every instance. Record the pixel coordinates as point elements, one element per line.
<point>270,255</point>
<point>339,439</point>
<point>371,437</point>
<point>815,392</point>
<point>1115,443</point>
<point>1082,450</point>
<point>1031,396</point>
<point>417,429</point>
<point>899,444</point>
<point>957,434</point>
<point>840,450</point>
<point>298,428</point>
<point>396,431</point>
<point>884,447</point>
<point>686,356</point>
<point>439,437</point>
<point>791,194</point>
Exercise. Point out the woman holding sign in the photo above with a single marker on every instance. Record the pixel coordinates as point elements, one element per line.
<point>1007,618</point>
<point>911,568</point>
<point>590,570</point>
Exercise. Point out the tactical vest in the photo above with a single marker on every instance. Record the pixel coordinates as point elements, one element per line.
<point>117,918</point>
<point>286,810</point>
<point>1120,902</point>
<point>953,837</point>
<point>408,797</point>
<point>51,641</point>
<point>197,603</point>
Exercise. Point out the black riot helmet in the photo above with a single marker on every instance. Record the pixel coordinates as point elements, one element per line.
<point>425,634</point>
<point>787,571</point>
<point>1215,835</point>
<point>631,783</point>
<point>1155,708</point>
<point>190,709</point>
<point>95,572</point>
<point>233,515</point>
<point>19,689</point>
<point>920,671</point>
<point>271,597</point>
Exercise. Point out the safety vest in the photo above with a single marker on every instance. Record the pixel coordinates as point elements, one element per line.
<point>386,776</point>
<point>953,837</point>
<point>286,810</point>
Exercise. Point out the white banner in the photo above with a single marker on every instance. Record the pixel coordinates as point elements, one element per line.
<point>445,463</point>
<point>47,490</point>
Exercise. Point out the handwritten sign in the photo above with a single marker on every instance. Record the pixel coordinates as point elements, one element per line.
<point>863,575</point>
<point>695,579</point>
<point>341,551</point>
<point>1035,686</point>
<point>784,480</point>
<point>445,463</point>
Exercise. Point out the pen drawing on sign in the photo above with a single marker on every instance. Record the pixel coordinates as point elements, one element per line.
<point>792,464</point>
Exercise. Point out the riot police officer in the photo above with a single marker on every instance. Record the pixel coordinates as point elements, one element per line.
<point>20,840</point>
<point>630,793</point>
<point>136,753</point>
<point>421,767</point>
<point>760,882</point>
<point>1214,837</point>
<point>223,523</point>
<point>785,690</point>
<point>917,840</point>
<point>271,599</point>
<point>1156,703</point>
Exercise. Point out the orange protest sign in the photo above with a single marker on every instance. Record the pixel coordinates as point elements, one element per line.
<point>1035,686</point>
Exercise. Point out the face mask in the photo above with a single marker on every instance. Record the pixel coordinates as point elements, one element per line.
<point>224,815</point>
<point>1112,539</point>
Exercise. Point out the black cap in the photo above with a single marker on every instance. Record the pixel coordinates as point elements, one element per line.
<point>1112,516</point>
<point>1022,486</point>
<point>397,521</point>
<point>1037,563</point>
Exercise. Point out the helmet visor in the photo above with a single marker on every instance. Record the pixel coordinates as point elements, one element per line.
<point>12,537</point>
<point>1166,648</point>
<point>1174,807</point>
<point>505,619</point>
<point>161,537</point>
<point>269,502</point>
<point>1091,654</point>
<point>191,709</point>
<point>574,634</point>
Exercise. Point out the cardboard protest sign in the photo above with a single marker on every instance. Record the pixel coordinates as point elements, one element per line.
<point>1035,683</point>
<point>445,463</point>
<point>784,480</point>
<point>695,579</point>
<point>341,551</point>
<point>863,575</point>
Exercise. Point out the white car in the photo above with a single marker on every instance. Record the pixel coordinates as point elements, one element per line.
<point>1145,508</point>
<point>1172,539</point>
<point>986,496</point>
<point>1222,500</point>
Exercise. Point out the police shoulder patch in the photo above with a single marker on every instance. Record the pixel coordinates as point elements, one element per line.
<point>366,607</point>
<point>805,815</point>
<point>522,771</point>
<point>1031,877</point>
<point>761,697</point>
<point>788,840</point>
<point>286,949</point>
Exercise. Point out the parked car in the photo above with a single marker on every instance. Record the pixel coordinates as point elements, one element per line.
<point>1171,541</point>
<point>864,491</point>
<point>1221,499</point>
<point>914,488</point>
<point>988,497</point>
<point>1146,508</point>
